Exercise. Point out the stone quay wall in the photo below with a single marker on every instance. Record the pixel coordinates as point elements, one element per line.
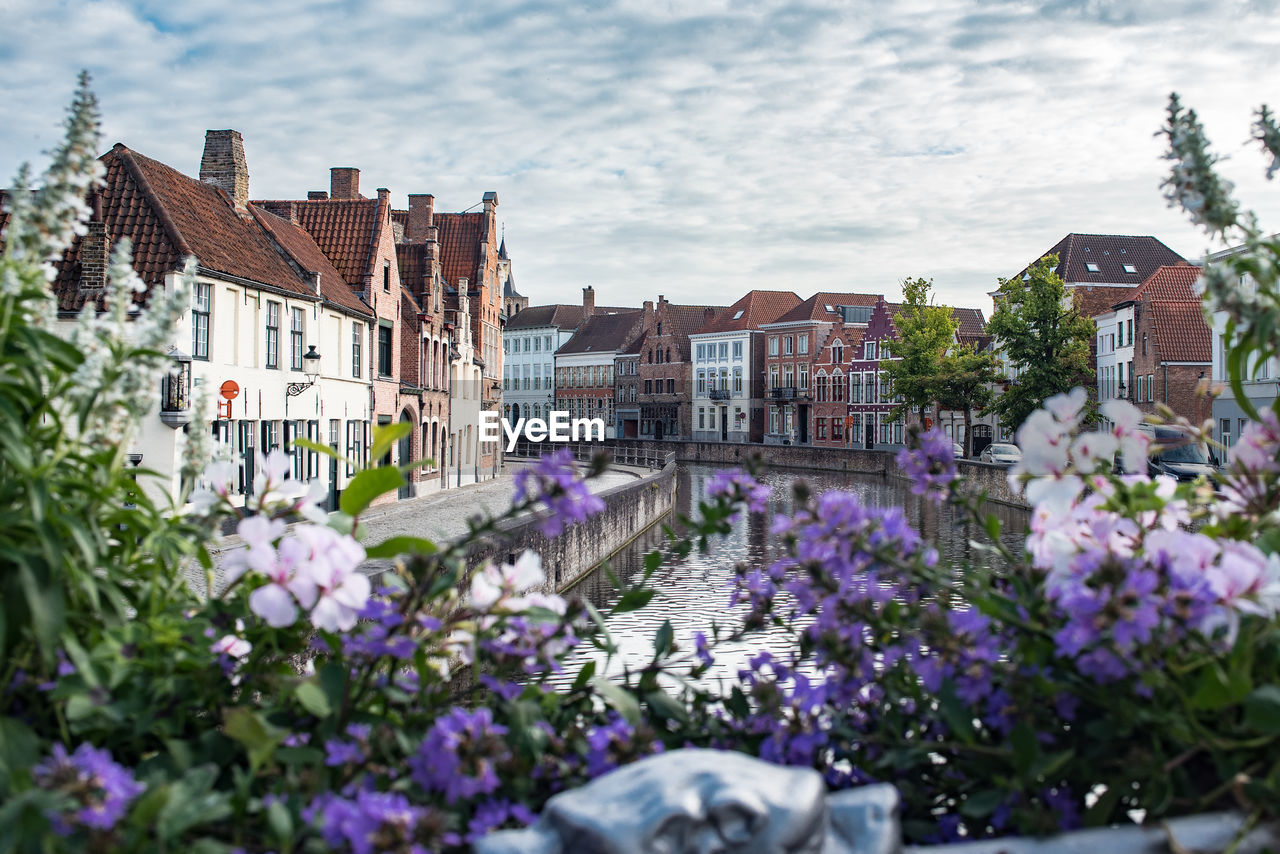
<point>629,509</point>
<point>979,476</point>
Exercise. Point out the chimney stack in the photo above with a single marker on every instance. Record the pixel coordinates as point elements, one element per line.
<point>421,217</point>
<point>317,195</point>
<point>94,249</point>
<point>223,165</point>
<point>646,319</point>
<point>490,202</point>
<point>588,302</point>
<point>344,182</point>
<point>384,198</point>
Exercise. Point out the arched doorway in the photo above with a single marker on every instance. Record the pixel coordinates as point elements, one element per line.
<point>405,453</point>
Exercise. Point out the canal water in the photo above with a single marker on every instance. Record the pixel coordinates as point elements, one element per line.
<point>693,592</point>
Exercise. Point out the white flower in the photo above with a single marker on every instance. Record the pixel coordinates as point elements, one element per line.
<point>1066,407</point>
<point>235,647</point>
<point>1091,448</point>
<point>272,470</point>
<point>1133,442</point>
<point>495,587</point>
<point>330,562</point>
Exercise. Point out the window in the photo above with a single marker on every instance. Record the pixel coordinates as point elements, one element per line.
<point>837,427</point>
<point>855,389</point>
<point>737,351</point>
<point>671,386</point>
<point>384,349</point>
<point>648,386</point>
<point>1151,388</point>
<point>837,387</point>
<point>526,344</point>
<point>820,428</point>
<point>820,387</point>
<point>737,380</point>
<point>788,376</point>
<point>724,379</point>
<point>788,344</point>
<point>804,377</point>
<point>1144,343</point>
<point>200,299</point>
<point>297,325</point>
<point>724,350</point>
<point>802,344</point>
<point>773,419</point>
<point>1142,389</point>
<point>702,418</point>
<point>737,314</point>
<point>1225,432</point>
<point>869,350</point>
<point>273,334</point>
<point>837,354</point>
<point>1129,268</point>
<point>1091,267</point>
<point>357,344</point>
<point>773,345</point>
<point>773,376</point>
<point>386,276</point>
<point>547,340</point>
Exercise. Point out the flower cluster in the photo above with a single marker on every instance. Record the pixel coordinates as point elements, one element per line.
<point>461,754</point>
<point>98,791</point>
<point>738,486</point>
<point>554,480</point>
<point>930,464</point>
<point>373,822</point>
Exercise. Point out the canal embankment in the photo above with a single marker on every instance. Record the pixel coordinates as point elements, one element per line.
<point>986,478</point>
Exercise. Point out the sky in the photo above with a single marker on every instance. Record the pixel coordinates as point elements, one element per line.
<point>695,149</point>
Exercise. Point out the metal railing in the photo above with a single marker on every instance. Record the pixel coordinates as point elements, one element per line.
<point>621,454</point>
<point>719,394</point>
<point>783,393</point>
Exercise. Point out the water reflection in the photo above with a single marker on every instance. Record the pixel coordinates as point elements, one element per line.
<point>693,592</point>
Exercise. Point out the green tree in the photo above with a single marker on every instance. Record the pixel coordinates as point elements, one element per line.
<point>964,382</point>
<point>925,333</point>
<point>1044,337</point>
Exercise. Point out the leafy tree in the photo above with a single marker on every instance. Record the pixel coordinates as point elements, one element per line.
<point>925,333</point>
<point>1045,338</point>
<point>964,382</point>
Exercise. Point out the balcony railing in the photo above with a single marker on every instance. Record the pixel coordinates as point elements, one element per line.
<point>783,393</point>
<point>719,394</point>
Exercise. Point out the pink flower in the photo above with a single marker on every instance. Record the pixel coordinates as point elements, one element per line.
<point>495,587</point>
<point>272,471</point>
<point>330,562</point>
<point>231,645</point>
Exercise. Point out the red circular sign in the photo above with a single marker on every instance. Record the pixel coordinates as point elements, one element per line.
<point>230,390</point>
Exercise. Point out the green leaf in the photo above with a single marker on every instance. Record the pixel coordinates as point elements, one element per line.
<point>368,485</point>
<point>396,546</point>
<point>956,713</point>
<point>1026,750</point>
<point>386,435</point>
<point>982,804</point>
<point>313,699</point>
<point>1262,709</point>
<point>193,802</point>
<point>280,821</point>
<point>652,561</point>
<point>662,639</point>
<point>633,600</point>
<point>320,449</point>
<point>737,704</point>
<point>19,749</point>
<point>666,706</point>
<point>584,675</point>
<point>619,698</point>
<point>248,728</point>
<point>1218,689</point>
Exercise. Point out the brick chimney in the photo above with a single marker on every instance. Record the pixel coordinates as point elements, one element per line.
<point>384,198</point>
<point>646,319</point>
<point>490,202</point>
<point>94,248</point>
<point>223,165</point>
<point>588,301</point>
<point>344,182</point>
<point>421,217</point>
<point>317,195</point>
<point>707,314</point>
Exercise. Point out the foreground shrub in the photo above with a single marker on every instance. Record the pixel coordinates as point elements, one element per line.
<point>1127,659</point>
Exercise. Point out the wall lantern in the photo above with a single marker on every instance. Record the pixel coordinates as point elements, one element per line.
<point>311,368</point>
<point>175,390</point>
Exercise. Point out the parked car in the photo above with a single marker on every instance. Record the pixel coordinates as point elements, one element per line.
<point>1180,457</point>
<point>958,450</point>
<point>1001,453</point>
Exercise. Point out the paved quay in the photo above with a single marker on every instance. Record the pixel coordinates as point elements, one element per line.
<point>441,516</point>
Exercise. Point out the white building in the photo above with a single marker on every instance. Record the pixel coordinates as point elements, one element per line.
<point>728,368</point>
<point>530,341</point>
<point>266,303</point>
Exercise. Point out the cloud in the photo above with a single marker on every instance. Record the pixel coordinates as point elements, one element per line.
<point>700,148</point>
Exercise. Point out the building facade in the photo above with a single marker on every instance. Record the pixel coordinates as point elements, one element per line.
<point>584,366</point>
<point>664,371</point>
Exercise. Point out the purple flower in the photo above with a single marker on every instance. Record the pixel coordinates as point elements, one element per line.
<point>554,480</point>
<point>930,464</point>
<point>491,815</point>
<point>615,743</point>
<point>738,486</point>
<point>381,821</point>
<point>460,755</point>
<point>702,649</point>
<point>99,789</point>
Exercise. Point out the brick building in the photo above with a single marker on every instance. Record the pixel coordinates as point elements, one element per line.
<point>584,365</point>
<point>790,353</point>
<point>831,386</point>
<point>664,399</point>
<point>1154,345</point>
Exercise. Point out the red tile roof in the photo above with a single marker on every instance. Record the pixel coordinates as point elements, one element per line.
<point>815,307</point>
<point>757,307</point>
<point>298,244</point>
<point>1110,253</point>
<point>1176,282</point>
<point>560,316</point>
<point>411,259</point>
<point>1181,332</point>
<point>460,235</point>
<point>344,229</point>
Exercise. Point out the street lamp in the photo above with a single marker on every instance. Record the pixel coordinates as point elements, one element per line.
<point>310,368</point>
